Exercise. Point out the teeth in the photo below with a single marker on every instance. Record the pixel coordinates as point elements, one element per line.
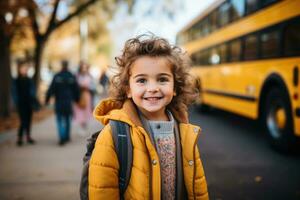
<point>152,98</point>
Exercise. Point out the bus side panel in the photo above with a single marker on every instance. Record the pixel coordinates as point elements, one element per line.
<point>226,86</point>
<point>232,105</point>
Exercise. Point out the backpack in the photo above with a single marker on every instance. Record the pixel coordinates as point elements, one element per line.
<point>123,146</point>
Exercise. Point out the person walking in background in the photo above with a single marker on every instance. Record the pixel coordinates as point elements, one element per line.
<point>24,96</point>
<point>150,92</point>
<point>65,90</point>
<point>83,109</point>
<point>104,81</point>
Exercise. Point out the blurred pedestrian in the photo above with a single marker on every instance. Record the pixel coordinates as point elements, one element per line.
<point>65,90</point>
<point>83,109</point>
<point>150,92</point>
<point>24,96</point>
<point>104,81</point>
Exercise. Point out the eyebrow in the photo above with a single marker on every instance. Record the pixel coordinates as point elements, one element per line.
<point>161,74</point>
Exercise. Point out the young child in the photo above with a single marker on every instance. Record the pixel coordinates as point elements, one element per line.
<point>150,92</point>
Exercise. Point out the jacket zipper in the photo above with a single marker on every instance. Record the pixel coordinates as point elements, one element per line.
<point>150,179</point>
<point>194,171</point>
<point>150,175</point>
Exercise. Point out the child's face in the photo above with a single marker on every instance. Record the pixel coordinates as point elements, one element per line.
<point>151,86</point>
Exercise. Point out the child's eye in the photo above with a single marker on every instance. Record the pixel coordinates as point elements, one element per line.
<point>141,80</point>
<point>163,79</point>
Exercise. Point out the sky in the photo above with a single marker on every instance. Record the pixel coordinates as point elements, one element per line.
<point>144,20</point>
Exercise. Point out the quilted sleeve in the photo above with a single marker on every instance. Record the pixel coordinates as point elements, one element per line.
<point>201,192</point>
<point>104,168</point>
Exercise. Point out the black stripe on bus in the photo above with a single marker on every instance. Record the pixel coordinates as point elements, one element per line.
<point>237,96</point>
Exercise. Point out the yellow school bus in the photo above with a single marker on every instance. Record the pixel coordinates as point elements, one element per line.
<point>246,56</point>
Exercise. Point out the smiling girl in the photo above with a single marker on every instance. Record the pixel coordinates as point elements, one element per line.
<point>150,92</point>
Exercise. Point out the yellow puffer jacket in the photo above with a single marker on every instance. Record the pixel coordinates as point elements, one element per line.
<point>145,180</point>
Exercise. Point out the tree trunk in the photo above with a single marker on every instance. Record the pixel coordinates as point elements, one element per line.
<point>40,44</point>
<point>5,74</point>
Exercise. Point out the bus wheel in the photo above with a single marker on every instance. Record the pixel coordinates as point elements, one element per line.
<point>278,120</point>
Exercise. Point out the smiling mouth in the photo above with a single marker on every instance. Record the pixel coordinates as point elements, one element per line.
<point>152,98</point>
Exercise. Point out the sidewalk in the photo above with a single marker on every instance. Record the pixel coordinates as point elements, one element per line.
<point>44,170</point>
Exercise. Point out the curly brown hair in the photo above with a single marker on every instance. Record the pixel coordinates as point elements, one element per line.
<point>153,46</point>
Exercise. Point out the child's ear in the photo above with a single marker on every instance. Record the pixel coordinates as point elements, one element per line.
<point>128,94</point>
<point>174,93</point>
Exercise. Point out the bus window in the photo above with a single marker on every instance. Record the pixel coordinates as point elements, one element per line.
<point>235,50</point>
<point>205,57</point>
<point>237,9</point>
<point>205,26</point>
<point>200,58</point>
<point>223,53</point>
<point>195,58</point>
<point>224,14</point>
<point>269,44</point>
<point>251,44</point>
<point>195,31</point>
<point>251,6</point>
<point>213,21</point>
<point>292,39</point>
<point>199,30</point>
<point>267,2</point>
<point>192,33</point>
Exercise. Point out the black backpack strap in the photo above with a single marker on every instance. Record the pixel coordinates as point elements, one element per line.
<point>123,146</point>
<point>85,170</point>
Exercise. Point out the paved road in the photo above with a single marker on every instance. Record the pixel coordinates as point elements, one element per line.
<point>45,170</point>
<point>239,163</point>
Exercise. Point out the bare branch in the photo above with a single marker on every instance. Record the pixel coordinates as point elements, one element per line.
<point>35,25</point>
<point>51,24</point>
<point>79,10</point>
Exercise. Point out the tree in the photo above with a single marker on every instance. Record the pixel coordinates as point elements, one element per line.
<point>53,24</point>
<point>10,25</point>
<point>5,67</point>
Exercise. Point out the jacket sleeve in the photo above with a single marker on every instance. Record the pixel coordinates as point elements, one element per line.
<point>14,92</point>
<point>32,89</point>
<point>50,90</point>
<point>76,90</point>
<point>103,176</point>
<point>201,192</point>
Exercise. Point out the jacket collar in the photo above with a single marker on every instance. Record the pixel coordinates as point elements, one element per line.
<point>127,112</point>
<point>130,108</point>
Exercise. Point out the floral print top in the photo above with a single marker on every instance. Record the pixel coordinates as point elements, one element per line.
<point>164,138</point>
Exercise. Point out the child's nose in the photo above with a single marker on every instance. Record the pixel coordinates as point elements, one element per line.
<point>153,87</point>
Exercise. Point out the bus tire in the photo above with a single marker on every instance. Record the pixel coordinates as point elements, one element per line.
<point>278,120</point>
